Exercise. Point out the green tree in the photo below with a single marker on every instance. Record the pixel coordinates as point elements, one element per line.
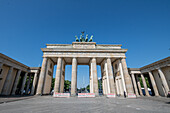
<point>67,85</point>
<point>100,83</point>
<point>88,87</point>
<point>52,84</point>
<point>147,82</point>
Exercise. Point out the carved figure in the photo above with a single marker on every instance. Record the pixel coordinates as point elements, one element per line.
<point>86,40</point>
<point>77,40</point>
<point>91,38</point>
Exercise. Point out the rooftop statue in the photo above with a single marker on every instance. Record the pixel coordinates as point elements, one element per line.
<point>86,40</point>
<point>77,40</point>
<point>91,38</point>
<point>82,39</point>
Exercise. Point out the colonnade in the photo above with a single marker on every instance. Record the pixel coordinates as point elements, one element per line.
<point>108,77</point>
<point>137,85</point>
<point>10,81</point>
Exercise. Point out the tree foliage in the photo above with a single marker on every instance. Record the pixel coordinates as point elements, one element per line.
<point>147,82</point>
<point>52,84</point>
<point>67,85</point>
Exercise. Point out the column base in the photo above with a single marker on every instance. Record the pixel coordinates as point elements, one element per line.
<point>61,95</point>
<point>73,95</point>
<point>148,95</point>
<point>111,95</point>
<point>138,96</point>
<point>86,95</point>
<point>131,95</point>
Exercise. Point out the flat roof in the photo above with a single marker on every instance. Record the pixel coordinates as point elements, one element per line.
<point>12,60</point>
<point>155,63</point>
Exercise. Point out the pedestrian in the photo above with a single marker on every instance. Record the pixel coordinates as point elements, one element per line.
<point>124,94</point>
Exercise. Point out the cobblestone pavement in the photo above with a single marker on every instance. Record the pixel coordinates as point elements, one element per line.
<point>48,104</point>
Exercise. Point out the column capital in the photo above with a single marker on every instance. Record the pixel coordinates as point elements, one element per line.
<point>44,57</point>
<point>122,58</point>
<point>1,63</point>
<point>93,58</point>
<point>35,72</point>
<point>149,72</point>
<point>158,68</point>
<point>108,57</point>
<point>11,67</point>
<point>74,57</point>
<point>19,70</point>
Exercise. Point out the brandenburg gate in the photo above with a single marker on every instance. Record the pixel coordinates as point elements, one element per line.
<point>111,58</point>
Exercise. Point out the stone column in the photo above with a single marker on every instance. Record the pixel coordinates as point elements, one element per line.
<point>7,82</point>
<point>1,64</point>
<point>42,77</point>
<point>58,75</point>
<point>94,74</point>
<point>74,77</point>
<point>153,84</point>
<point>106,86</point>
<point>28,85</point>
<point>122,75</point>
<point>127,78</point>
<point>16,82</point>
<point>110,75</point>
<point>62,77</point>
<point>134,84</point>
<point>103,86</point>
<point>164,82</point>
<point>145,86</point>
<point>23,83</point>
<point>117,84</point>
<point>120,85</point>
<point>34,83</point>
<point>139,87</point>
<point>91,79</point>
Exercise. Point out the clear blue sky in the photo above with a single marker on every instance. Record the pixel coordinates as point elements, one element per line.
<point>141,26</point>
